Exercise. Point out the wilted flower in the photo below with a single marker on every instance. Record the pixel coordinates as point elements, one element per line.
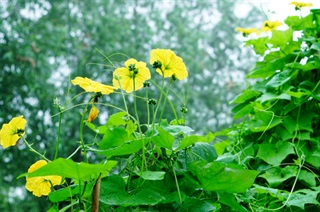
<point>248,31</point>
<point>11,132</point>
<point>299,5</point>
<point>92,86</point>
<point>93,113</point>
<point>270,25</point>
<point>41,185</point>
<point>168,64</point>
<point>132,76</point>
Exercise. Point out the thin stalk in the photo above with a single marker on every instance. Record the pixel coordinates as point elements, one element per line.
<point>59,130</point>
<point>165,100</point>
<point>33,150</point>
<point>176,181</point>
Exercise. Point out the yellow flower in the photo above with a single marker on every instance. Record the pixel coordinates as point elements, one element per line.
<point>93,113</point>
<point>11,132</point>
<point>92,86</point>
<point>248,31</point>
<point>168,64</point>
<point>299,5</point>
<point>41,185</point>
<point>132,76</point>
<point>270,25</point>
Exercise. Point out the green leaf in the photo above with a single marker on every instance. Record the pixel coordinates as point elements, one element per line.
<point>259,45</point>
<point>126,148</point>
<point>297,23</point>
<point>311,151</point>
<point>241,110</point>
<point>308,178</point>
<point>274,154</point>
<point>193,204</point>
<point>69,169</point>
<point>281,38</point>
<point>201,151</point>
<point>245,96</point>
<point>267,69</point>
<point>151,175</point>
<point>231,201</point>
<point>163,138</point>
<point>276,175</point>
<point>67,192</point>
<point>271,96</point>
<point>221,146</point>
<point>113,193</point>
<point>114,137</point>
<point>257,125</point>
<point>315,46</point>
<point>217,176</point>
<point>280,79</point>
<point>302,197</point>
<point>187,141</point>
<point>176,130</point>
<point>117,119</point>
<point>308,66</point>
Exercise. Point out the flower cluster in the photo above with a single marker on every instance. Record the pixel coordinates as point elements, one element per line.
<point>133,75</point>
<point>130,78</point>
<point>270,25</point>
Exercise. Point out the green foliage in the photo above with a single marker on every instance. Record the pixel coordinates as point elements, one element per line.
<point>278,135</point>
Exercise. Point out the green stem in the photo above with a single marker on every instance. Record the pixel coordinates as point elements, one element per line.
<point>81,133</point>
<point>139,127</point>
<point>177,183</point>
<point>59,130</point>
<point>164,101</point>
<point>33,150</point>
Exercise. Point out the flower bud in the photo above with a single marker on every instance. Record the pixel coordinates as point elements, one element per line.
<point>93,113</point>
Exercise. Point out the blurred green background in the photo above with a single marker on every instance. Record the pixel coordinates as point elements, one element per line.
<point>45,43</point>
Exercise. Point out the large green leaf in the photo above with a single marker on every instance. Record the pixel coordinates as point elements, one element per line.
<point>259,45</point>
<point>281,38</point>
<point>274,154</point>
<point>194,204</point>
<point>201,151</point>
<point>114,137</point>
<point>151,175</point>
<point>276,175</point>
<point>126,148</point>
<point>187,141</point>
<point>302,197</point>
<point>222,177</point>
<point>230,200</point>
<point>113,193</point>
<point>70,169</point>
<point>163,138</point>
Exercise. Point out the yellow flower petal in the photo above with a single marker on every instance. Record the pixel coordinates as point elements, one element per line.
<point>171,64</point>
<point>11,132</point>
<point>41,186</point>
<point>93,113</point>
<point>132,76</point>
<point>270,25</point>
<point>92,86</point>
<point>248,31</point>
<point>299,5</point>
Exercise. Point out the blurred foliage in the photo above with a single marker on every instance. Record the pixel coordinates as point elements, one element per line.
<point>45,43</point>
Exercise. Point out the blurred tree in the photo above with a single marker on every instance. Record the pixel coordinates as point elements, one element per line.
<point>45,43</point>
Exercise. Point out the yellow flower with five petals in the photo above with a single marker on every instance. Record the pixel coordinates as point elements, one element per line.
<point>132,76</point>
<point>11,132</point>
<point>92,86</point>
<point>41,186</point>
<point>168,64</point>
